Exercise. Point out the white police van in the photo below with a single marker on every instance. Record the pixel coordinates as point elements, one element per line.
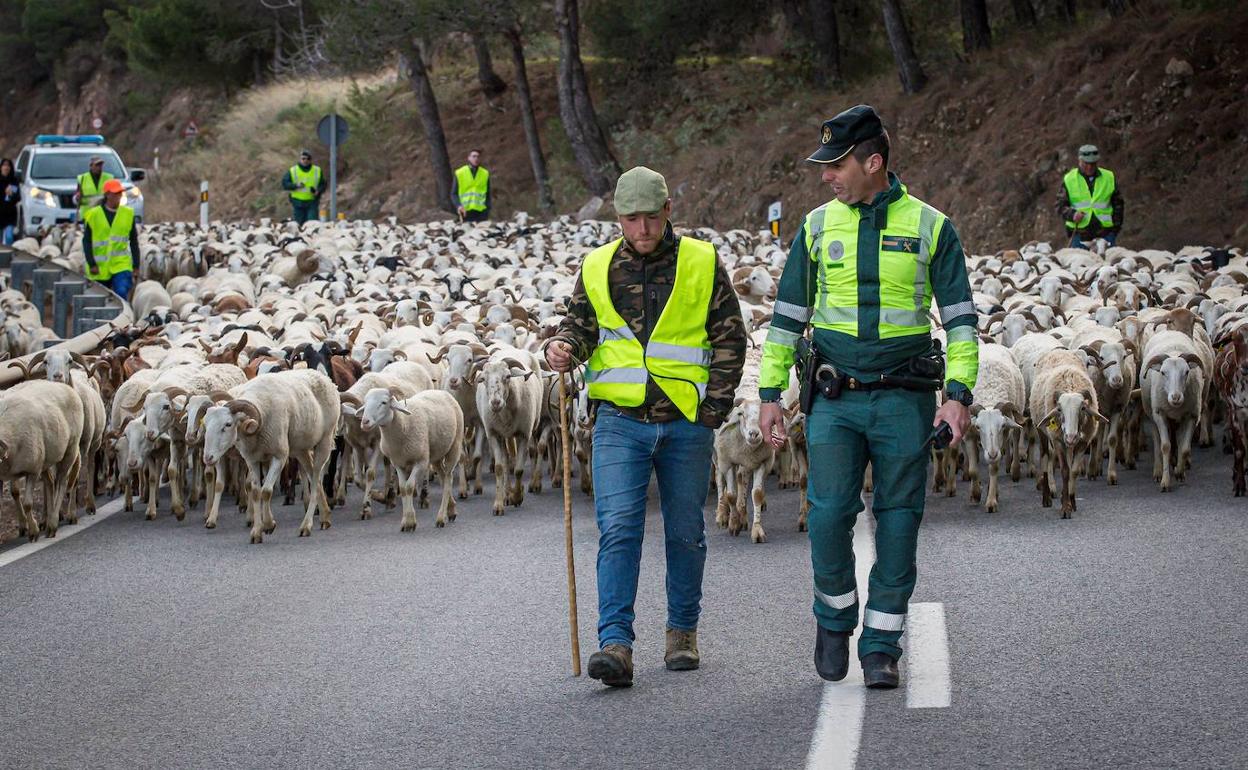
<point>48,171</point>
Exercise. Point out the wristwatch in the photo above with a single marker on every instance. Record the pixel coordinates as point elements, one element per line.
<point>963,397</point>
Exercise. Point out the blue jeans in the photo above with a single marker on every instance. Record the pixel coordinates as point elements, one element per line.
<point>1077,242</point>
<point>626,452</point>
<point>121,284</point>
<point>8,235</point>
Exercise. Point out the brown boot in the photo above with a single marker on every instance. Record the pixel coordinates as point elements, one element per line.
<point>613,665</point>
<point>682,650</point>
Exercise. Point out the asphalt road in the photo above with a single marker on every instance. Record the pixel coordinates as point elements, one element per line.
<point>1115,639</point>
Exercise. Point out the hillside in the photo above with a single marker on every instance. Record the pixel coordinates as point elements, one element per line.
<point>1164,97</point>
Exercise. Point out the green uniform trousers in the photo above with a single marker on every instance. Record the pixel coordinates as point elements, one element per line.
<point>889,428</point>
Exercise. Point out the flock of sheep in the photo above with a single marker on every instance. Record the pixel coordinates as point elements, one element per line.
<point>384,355</point>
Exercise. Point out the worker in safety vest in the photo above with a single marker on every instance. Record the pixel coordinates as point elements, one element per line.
<point>306,183</point>
<point>471,190</point>
<point>110,242</point>
<point>863,271</point>
<point>90,190</point>
<point>655,319</point>
<point>1089,201</point>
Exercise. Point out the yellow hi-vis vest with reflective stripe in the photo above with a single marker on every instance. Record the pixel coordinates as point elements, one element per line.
<point>1094,203</point>
<point>110,243</point>
<point>905,251</point>
<point>472,189</point>
<point>305,179</point>
<point>678,354</point>
<point>90,194</point>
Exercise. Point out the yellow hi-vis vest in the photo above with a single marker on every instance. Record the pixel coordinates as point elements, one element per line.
<point>110,243</point>
<point>91,194</point>
<point>1093,203</point>
<point>472,189</point>
<point>678,355</point>
<point>905,252</point>
<point>305,179</point>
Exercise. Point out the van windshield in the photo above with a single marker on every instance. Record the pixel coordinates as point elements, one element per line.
<point>68,165</point>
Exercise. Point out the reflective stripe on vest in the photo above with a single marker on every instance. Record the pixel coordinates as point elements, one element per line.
<point>110,242</point>
<point>678,354</point>
<point>304,180</point>
<point>472,188</point>
<point>1094,202</point>
<point>90,193</point>
<point>905,253</point>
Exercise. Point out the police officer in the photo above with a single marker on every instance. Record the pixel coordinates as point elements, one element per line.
<point>471,189</point>
<point>656,320</point>
<point>306,183</point>
<point>91,186</point>
<point>862,271</point>
<point>1089,201</point>
<point>110,242</point>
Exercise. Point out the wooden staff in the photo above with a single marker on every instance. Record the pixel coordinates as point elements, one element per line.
<point>574,627</point>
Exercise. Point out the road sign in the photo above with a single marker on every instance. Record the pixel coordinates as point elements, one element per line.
<point>192,129</point>
<point>97,124</point>
<point>773,212</point>
<point>332,130</point>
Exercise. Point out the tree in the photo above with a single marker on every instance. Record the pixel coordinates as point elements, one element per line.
<point>826,38</point>
<point>524,99</point>
<point>1118,7</point>
<point>598,166</point>
<point>491,84</point>
<point>363,31</point>
<point>976,34</point>
<point>430,120</point>
<point>908,68</point>
<point>1024,12</point>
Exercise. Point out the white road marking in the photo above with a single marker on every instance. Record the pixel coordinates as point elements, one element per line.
<point>838,728</point>
<point>63,532</point>
<point>927,657</point>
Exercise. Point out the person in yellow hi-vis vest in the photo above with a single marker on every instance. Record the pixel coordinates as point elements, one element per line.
<point>1089,201</point>
<point>864,270</point>
<point>306,184</point>
<point>470,189</point>
<point>655,319</point>
<point>110,242</point>
<point>90,190</point>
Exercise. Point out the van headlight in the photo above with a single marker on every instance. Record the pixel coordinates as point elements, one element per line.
<point>40,195</point>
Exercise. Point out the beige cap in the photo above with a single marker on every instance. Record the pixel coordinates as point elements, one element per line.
<point>1089,153</point>
<point>640,190</point>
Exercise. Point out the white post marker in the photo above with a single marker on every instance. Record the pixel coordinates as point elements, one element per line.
<point>927,657</point>
<point>838,728</point>
<point>203,204</point>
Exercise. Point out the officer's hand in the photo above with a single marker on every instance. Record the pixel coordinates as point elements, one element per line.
<point>957,416</point>
<point>771,423</point>
<point>1078,216</point>
<point>559,356</point>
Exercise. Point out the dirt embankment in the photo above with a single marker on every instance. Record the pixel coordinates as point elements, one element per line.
<point>987,141</point>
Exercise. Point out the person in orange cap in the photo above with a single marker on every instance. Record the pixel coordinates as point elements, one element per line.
<point>110,242</point>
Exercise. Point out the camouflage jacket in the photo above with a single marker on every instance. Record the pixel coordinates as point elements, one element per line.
<point>640,287</point>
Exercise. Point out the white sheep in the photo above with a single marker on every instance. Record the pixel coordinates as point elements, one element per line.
<point>742,453</point>
<point>1066,416</point>
<point>270,420</point>
<point>1172,382</point>
<point>999,401</point>
<point>509,400</point>
<point>419,433</point>
<point>40,430</point>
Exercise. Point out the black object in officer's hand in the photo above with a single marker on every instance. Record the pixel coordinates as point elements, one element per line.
<point>941,436</point>
<point>807,364</point>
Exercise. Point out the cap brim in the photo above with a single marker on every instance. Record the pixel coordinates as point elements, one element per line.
<point>830,153</point>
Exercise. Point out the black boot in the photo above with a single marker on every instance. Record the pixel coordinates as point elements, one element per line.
<point>879,671</point>
<point>831,653</point>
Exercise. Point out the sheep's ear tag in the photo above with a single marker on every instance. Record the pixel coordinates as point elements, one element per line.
<point>1053,423</point>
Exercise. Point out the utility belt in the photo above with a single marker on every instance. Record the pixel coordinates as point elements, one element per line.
<point>816,377</point>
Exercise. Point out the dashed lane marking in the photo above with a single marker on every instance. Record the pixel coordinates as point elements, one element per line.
<point>927,657</point>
